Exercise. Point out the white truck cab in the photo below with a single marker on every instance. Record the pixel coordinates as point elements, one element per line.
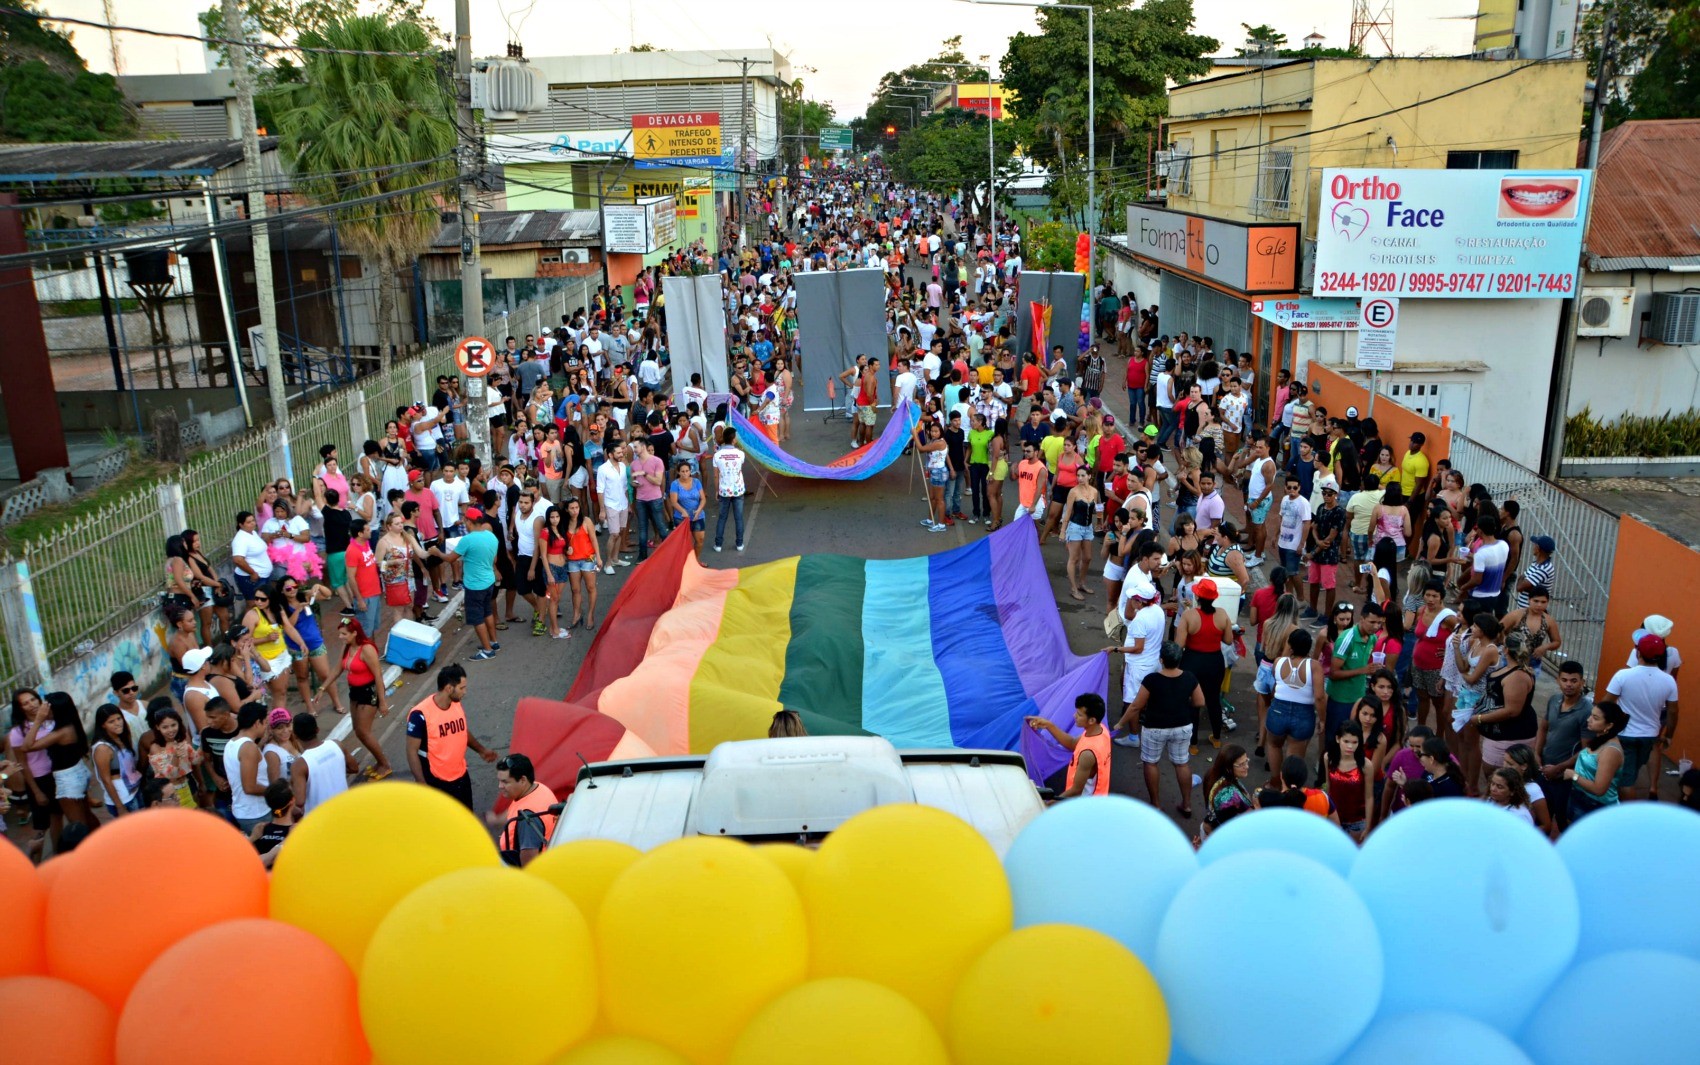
<point>794,790</point>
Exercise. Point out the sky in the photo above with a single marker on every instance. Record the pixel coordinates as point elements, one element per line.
<point>849,44</point>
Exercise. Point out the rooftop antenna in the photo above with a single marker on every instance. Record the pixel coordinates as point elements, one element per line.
<point>1372,18</point>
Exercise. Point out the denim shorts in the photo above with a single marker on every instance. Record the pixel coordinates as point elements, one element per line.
<point>1360,546</point>
<point>558,574</point>
<point>1075,533</point>
<point>1264,682</point>
<point>1288,720</point>
<point>579,565</point>
<point>1290,562</point>
<point>938,478</point>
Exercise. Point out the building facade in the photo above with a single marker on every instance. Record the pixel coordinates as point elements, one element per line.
<point>1249,149</point>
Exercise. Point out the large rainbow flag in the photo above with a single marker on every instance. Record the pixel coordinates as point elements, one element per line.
<point>947,650</point>
<point>858,465</point>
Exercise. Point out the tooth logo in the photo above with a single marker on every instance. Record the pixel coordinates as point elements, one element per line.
<point>1348,221</point>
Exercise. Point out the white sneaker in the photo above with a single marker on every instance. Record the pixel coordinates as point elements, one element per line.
<point>926,523</point>
<point>1230,725</point>
<point>623,562</point>
<point>562,635</point>
<point>609,570</point>
<point>935,527</point>
<point>740,547</point>
<point>1131,740</point>
<point>717,547</point>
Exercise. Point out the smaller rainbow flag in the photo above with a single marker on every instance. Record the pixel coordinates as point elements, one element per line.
<point>858,465</point>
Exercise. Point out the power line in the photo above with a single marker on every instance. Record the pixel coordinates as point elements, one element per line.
<point>18,12</point>
<point>223,190</point>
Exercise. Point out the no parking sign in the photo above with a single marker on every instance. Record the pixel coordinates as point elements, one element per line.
<point>1378,320</point>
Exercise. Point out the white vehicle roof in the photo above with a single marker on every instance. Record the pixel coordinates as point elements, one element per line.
<point>794,789</point>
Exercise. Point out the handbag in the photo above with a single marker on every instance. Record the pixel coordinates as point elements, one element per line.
<point>398,594</point>
<point>1115,626</point>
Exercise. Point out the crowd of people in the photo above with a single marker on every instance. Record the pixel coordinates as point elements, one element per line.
<point>1397,615</point>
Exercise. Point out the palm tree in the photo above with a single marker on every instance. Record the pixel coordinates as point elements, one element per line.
<point>361,126</point>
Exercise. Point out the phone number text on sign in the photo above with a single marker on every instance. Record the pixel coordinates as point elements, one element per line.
<point>1429,283</point>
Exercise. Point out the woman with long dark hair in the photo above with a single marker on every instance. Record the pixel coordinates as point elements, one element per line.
<point>67,747</point>
<point>1594,776</point>
<point>1202,630</point>
<point>366,695</point>
<point>273,632</point>
<point>115,768</point>
<point>34,775</point>
<point>1347,772</point>
<point>552,546</point>
<point>1226,793</point>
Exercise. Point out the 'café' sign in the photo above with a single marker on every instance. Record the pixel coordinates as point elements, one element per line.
<point>1260,258</point>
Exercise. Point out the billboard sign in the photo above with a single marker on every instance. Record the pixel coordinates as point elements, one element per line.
<point>624,232</point>
<point>837,139</point>
<point>1249,258</point>
<point>660,218</point>
<point>568,146</point>
<point>686,137</point>
<point>1450,234</point>
<point>1308,314</point>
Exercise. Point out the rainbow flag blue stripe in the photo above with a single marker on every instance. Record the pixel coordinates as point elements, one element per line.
<point>858,465</point>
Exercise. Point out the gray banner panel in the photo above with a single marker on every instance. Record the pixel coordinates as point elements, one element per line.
<point>1065,293</point>
<point>840,315</point>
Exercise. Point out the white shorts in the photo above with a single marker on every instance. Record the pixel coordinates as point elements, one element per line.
<point>72,783</point>
<point>273,668</point>
<point>1113,572</point>
<point>1154,743</point>
<point>613,519</point>
<point>1132,678</point>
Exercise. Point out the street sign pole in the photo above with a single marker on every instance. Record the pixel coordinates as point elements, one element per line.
<point>471,263</point>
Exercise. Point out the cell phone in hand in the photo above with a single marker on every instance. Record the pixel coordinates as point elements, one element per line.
<point>1365,568</point>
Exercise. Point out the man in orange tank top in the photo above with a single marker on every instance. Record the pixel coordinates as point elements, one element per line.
<point>527,823</point>
<point>1089,768</point>
<point>438,736</point>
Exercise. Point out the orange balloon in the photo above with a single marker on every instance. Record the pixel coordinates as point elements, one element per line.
<point>141,884</point>
<point>23,899</point>
<point>48,1020</point>
<point>256,968</point>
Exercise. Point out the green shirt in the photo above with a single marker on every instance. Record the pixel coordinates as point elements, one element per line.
<point>979,443</point>
<point>1051,447</point>
<point>1354,648</point>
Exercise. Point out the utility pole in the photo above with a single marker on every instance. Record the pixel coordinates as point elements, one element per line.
<point>471,264</point>
<point>1558,414</point>
<point>745,111</point>
<point>259,232</point>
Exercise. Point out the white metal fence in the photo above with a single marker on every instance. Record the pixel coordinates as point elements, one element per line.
<point>105,570</point>
<point>1585,534</point>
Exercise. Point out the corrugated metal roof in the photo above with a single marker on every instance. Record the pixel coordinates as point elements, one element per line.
<point>1647,192</point>
<point>499,228</point>
<point>80,160</point>
<point>1654,262</point>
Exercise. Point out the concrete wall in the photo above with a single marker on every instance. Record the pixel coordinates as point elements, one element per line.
<point>139,649</point>
<point>90,412</point>
<point>1131,278</point>
<point>1614,376</point>
<point>1449,342</point>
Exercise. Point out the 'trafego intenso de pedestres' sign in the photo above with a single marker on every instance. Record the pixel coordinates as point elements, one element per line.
<point>1458,234</point>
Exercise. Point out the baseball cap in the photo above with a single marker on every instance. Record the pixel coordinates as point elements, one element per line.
<point>474,514</point>
<point>415,476</point>
<point>278,716</point>
<point>1651,644</point>
<point>1109,419</point>
<point>1545,543</point>
<point>1658,625</point>
<point>1141,587</point>
<point>1204,589</point>
<point>195,658</point>
<point>1329,489</point>
<point>1151,431</point>
<point>1351,412</point>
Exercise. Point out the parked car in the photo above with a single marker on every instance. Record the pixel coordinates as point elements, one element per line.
<point>794,790</point>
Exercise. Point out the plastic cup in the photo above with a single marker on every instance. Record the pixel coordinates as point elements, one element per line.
<point>1378,657</point>
<point>1683,765</point>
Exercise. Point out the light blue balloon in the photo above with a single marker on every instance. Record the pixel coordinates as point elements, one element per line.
<point>1107,863</point>
<point>1476,911</point>
<point>1267,900</point>
<point>1635,1005</point>
<point>1285,829</point>
<point>1433,1036</point>
<point>1636,866</point>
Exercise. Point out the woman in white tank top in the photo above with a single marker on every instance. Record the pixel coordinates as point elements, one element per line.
<point>1294,715</point>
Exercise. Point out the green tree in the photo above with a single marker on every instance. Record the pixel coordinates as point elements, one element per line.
<point>1050,246</point>
<point>948,153</point>
<point>47,93</point>
<point>800,115</point>
<point>1139,51</point>
<point>1654,52</point>
<point>1669,85</point>
<point>349,129</point>
<point>1267,38</point>
<point>898,98</point>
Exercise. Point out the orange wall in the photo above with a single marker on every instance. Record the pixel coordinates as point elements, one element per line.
<point>623,269</point>
<point>1337,392</point>
<point>1653,574</point>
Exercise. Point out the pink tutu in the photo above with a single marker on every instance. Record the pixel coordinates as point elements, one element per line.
<point>298,560</point>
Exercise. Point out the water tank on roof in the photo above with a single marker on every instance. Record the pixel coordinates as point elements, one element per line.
<point>505,89</point>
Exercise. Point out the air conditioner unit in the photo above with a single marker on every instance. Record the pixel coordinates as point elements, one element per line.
<point>1606,312</point>
<point>574,255</point>
<point>1676,318</point>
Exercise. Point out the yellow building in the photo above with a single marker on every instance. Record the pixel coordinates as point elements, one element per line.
<point>1230,255</point>
<point>1252,145</point>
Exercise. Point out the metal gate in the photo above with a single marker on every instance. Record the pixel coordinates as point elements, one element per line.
<point>1586,536</point>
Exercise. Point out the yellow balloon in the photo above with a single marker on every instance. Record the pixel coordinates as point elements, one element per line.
<point>1039,989</point>
<point>794,860</point>
<point>906,896</point>
<point>840,1021</point>
<point>353,858</point>
<point>693,939</point>
<point>620,1050</point>
<point>475,960</point>
<point>583,869</point>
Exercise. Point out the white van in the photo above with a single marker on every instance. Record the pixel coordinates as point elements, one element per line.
<point>794,790</point>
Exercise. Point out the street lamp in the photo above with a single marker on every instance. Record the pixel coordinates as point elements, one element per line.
<point>1091,124</point>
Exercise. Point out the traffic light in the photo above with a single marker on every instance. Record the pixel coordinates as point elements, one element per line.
<point>890,130</point>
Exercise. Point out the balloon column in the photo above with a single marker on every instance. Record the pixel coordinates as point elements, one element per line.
<point>1082,253</point>
<point>389,932</point>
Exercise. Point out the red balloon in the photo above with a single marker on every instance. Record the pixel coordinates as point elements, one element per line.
<point>47,1020</point>
<point>140,884</point>
<point>256,968</point>
<point>23,899</point>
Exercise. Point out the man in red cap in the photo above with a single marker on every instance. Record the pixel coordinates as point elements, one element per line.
<point>1648,695</point>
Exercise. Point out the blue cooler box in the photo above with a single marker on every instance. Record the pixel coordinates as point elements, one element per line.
<point>412,645</point>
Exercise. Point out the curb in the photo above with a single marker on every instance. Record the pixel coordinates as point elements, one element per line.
<point>392,674</point>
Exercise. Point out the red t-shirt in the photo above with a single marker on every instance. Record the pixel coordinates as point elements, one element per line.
<point>1030,379</point>
<point>1110,444</point>
<point>1138,372</point>
<point>364,566</point>
<point>1263,601</point>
